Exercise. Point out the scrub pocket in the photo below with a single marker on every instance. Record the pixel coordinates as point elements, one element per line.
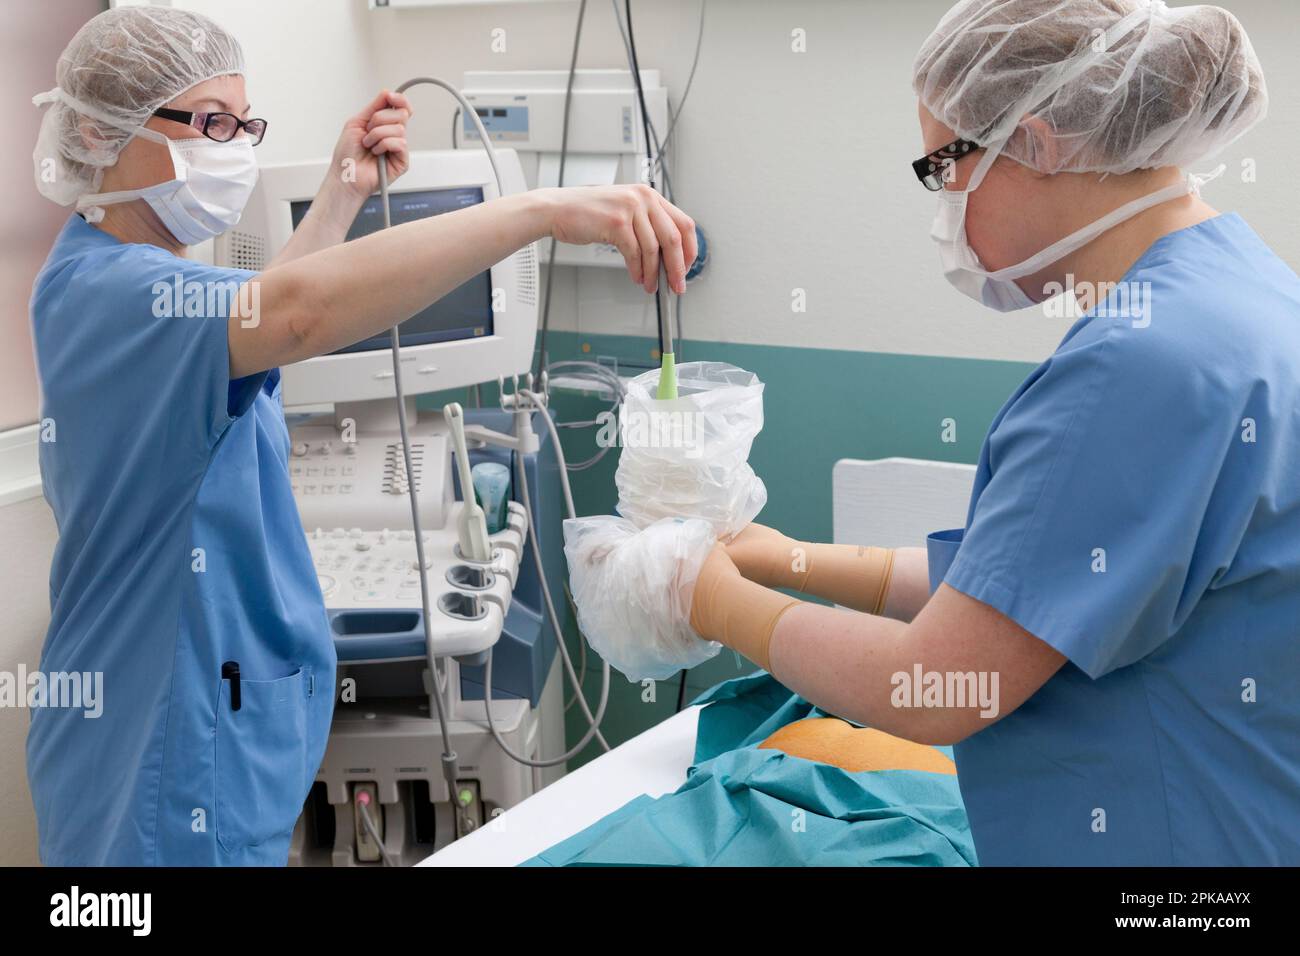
<point>941,549</point>
<point>261,760</point>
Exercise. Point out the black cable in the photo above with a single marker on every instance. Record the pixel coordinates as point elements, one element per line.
<point>559,182</point>
<point>662,159</point>
<point>662,164</point>
<point>690,79</point>
<point>681,692</point>
<point>680,356</point>
<point>649,159</point>
<point>640,94</point>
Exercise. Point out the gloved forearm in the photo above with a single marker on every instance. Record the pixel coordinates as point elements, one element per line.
<point>853,576</point>
<point>847,574</point>
<point>727,608</point>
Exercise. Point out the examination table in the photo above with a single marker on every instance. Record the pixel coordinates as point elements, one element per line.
<point>652,763</point>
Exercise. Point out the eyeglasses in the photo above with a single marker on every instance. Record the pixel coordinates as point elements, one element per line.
<point>930,168</point>
<point>221,127</point>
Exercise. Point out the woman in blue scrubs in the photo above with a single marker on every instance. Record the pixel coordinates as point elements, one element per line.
<point>1111,641</point>
<point>180,553</point>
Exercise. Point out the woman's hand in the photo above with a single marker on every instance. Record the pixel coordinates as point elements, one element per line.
<point>378,131</point>
<point>764,555</point>
<point>375,134</point>
<point>636,220</point>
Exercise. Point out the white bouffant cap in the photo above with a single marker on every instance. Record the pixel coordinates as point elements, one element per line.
<point>1092,85</point>
<point>118,69</point>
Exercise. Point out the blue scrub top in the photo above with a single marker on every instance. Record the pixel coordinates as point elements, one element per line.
<point>180,548</point>
<point>1137,507</point>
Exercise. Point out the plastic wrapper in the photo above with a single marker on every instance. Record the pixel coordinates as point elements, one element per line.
<point>688,457</point>
<point>633,587</point>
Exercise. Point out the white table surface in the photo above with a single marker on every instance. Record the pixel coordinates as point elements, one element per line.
<point>653,763</point>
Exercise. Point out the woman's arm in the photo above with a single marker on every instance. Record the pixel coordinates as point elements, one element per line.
<point>909,586</point>
<point>326,223</point>
<point>334,297</point>
<point>857,666</point>
<point>379,130</point>
<point>875,670</point>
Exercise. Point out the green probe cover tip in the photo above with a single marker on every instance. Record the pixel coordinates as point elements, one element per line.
<point>667,378</point>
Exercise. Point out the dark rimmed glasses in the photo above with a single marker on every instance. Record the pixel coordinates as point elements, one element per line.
<point>219,127</point>
<point>930,168</point>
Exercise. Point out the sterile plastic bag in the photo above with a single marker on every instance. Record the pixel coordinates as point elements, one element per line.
<point>687,457</point>
<point>633,587</point>
<point>684,482</point>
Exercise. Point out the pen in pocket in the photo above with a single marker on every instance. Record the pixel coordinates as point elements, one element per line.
<point>230,671</point>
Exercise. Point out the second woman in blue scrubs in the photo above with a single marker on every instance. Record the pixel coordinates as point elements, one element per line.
<point>1129,570</point>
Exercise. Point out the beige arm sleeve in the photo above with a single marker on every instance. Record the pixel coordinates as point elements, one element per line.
<point>849,575</point>
<point>738,613</point>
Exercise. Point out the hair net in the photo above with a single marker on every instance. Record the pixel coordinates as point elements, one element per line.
<point>1111,85</point>
<point>114,73</point>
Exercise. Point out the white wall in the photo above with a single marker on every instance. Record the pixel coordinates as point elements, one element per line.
<point>28,532</point>
<point>796,165</point>
<point>33,35</point>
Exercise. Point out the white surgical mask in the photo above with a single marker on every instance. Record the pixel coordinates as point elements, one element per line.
<point>206,196</point>
<point>998,290</point>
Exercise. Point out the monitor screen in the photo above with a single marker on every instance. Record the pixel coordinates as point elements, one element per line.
<point>463,313</point>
